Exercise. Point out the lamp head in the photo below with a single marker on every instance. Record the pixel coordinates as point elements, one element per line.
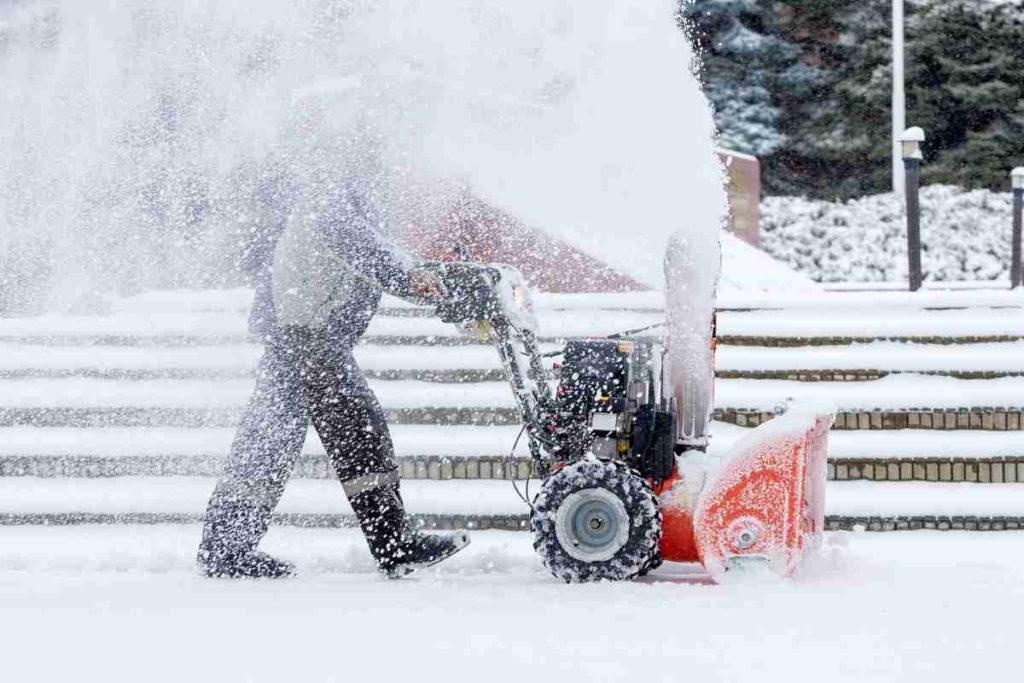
<point>1017,178</point>
<point>911,142</point>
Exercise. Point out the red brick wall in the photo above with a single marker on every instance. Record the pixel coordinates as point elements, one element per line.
<point>744,194</point>
<point>475,231</point>
<point>471,229</point>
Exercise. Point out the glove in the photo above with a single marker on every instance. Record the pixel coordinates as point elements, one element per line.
<point>426,286</point>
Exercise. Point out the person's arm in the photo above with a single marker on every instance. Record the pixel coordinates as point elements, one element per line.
<point>355,233</point>
<point>353,230</point>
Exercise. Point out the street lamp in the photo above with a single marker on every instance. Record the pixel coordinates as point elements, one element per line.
<point>1017,182</point>
<point>910,148</point>
<point>898,97</point>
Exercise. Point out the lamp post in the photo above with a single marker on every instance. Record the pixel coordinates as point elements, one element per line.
<point>898,98</point>
<point>910,144</point>
<point>1017,181</point>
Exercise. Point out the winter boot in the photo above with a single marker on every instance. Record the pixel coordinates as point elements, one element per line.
<point>234,526</point>
<point>397,549</point>
<point>420,550</point>
<point>253,564</point>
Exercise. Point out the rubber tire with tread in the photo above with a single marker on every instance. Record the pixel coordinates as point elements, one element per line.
<point>641,551</point>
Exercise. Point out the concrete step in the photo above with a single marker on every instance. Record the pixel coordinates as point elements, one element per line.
<point>433,467</point>
<point>826,327</point>
<point>811,340</point>
<point>430,522</point>
<point>983,470</point>
<point>901,394</point>
<point>982,419</point>
<point>131,497</point>
<point>958,318</point>
<point>521,522</point>
<point>429,451</point>
<point>184,417</point>
<point>873,360</point>
<point>149,329</point>
<point>463,376</point>
<point>858,374</point>
<point>986,419</point>
<point>994,419</point>
<point>724,339</point>
<point>237,361</point>
<point>462,440</point>
<point>833,296</point>
<point>469,376</point>
<point>479,362</point>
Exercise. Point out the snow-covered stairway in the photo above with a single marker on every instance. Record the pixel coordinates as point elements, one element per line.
<point>127,416</point>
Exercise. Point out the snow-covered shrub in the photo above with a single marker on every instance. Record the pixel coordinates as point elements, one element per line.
<point>965,235</point>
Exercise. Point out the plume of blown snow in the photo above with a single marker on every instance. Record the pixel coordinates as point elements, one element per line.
<point>140,134</point>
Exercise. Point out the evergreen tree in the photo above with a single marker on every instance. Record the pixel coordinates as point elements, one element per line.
<point>964,81</point>
<point>741,66</point>
<point>845,138</point>
<point>806,86</point>
<point>767,69</point>
<point>804,93</point>
<point>973,51</point>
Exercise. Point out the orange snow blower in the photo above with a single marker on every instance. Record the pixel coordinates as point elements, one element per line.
<point>616,498</point>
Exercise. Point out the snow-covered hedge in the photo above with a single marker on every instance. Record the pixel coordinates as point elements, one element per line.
<point>964,235</point>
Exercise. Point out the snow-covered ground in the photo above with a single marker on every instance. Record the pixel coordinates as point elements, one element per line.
<point>965,235</point>
<point>123,604</point>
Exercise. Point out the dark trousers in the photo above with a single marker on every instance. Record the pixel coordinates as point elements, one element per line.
<point>302,378</point>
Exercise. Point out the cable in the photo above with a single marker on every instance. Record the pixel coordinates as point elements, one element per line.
<point>511,459</point>
<point>626,333</point>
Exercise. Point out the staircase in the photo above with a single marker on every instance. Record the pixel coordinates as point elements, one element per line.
<point>127,417</point>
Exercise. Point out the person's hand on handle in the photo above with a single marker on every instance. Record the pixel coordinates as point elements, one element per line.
<point>425,285</point>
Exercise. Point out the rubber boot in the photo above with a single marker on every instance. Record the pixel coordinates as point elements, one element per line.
<point>230,536</point>
<point>254,564</point>
<point>398,549</point>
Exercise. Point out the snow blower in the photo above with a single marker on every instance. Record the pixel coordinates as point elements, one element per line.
<point>616,498</point>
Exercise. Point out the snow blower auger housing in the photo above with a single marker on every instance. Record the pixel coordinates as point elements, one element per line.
<point>616,500</point>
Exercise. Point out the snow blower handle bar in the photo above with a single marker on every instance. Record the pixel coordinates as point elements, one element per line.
<point>469,293</point>
<point>496,298</point>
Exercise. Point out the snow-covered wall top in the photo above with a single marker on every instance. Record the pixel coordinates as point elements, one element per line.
<point>144,134</point>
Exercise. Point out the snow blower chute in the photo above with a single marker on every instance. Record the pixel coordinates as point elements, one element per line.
<point>617,500</point>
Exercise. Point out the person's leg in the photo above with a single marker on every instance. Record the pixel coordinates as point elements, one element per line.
<point>354,431</point>
<point>266,444</point>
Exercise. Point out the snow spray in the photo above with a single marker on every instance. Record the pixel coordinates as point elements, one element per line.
<point>138,134</point>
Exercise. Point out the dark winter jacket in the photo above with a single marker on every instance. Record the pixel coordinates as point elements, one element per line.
<point>342,221</point>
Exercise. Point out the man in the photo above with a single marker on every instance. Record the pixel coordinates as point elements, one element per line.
<point>320,274</point>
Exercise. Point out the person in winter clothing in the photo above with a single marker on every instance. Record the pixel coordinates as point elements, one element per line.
<point>320,273</point>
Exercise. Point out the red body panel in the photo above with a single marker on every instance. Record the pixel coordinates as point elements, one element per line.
<point>766,502</point>
<point>677,540</point>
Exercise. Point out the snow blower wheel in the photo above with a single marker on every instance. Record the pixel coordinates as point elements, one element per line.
<point>597,520</point>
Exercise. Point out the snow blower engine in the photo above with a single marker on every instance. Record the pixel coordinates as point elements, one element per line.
<point>616,499</point>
